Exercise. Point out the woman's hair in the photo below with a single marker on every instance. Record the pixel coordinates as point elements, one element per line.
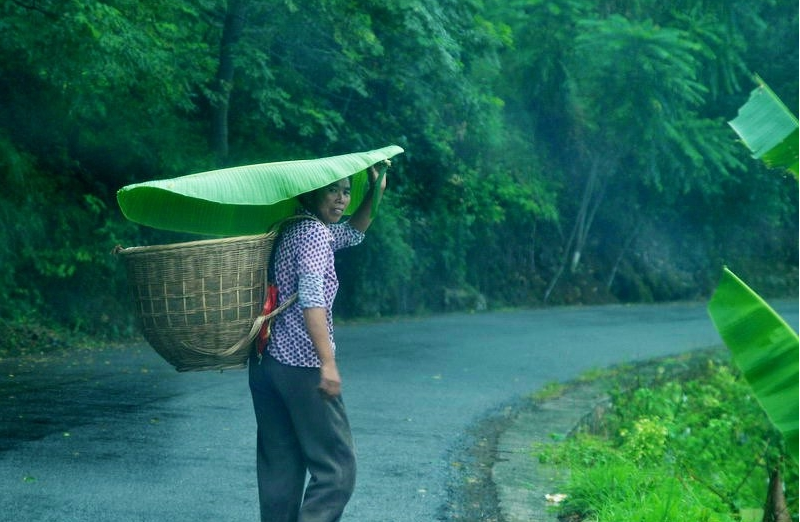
<point>306,199</point>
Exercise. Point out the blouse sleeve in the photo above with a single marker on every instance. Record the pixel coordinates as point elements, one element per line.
<point>345,235</point>
<point>311,291</point>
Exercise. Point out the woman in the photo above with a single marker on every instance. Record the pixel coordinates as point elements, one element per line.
<point>296,386</point>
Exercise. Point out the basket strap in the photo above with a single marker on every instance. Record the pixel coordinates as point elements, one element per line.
<point>245,341</point>
<point>276,227</point>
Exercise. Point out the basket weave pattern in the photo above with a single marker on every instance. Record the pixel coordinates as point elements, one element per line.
<point>197,301</point>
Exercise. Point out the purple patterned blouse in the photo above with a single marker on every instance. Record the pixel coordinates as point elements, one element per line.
<point>304,263</point>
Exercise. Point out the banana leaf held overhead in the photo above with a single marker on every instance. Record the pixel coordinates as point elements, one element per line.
<point>243,200</point>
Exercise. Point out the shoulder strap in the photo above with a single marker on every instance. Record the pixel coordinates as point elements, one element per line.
<point>277,229</point>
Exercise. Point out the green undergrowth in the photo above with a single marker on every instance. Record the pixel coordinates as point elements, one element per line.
<point>25,338</point>
<point>687,441</point>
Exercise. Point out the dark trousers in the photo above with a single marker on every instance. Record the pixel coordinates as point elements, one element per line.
<point>299,431</point>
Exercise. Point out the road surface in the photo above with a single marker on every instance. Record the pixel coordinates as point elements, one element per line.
<point>117,435</point>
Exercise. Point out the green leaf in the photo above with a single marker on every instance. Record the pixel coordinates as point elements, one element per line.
<point>751,514</point>
<point>768,129</point>
<point>764,348</point>
<point>784,155</point>
<point>243,200</point>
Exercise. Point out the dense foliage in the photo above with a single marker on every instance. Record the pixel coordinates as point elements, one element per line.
<point>562,151</point>
<point>696,447</point>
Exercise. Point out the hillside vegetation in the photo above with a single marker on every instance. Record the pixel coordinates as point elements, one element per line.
<point>569,151</point>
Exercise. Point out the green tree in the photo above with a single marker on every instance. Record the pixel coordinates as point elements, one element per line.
<point>509,113</point>
<point>624,104</point>
<point>636,95</point>
<point>94,94</point>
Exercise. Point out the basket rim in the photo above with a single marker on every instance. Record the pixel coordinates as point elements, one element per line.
<point>192,244</point>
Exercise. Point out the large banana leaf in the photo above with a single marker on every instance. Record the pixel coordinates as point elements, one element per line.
<point>764,348</point>
<point>243,200</point>
<point>768,129</point>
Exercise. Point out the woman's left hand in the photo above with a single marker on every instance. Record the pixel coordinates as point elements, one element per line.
<point>330,383</point>
<point>375,173</point>
<point>362,217</point>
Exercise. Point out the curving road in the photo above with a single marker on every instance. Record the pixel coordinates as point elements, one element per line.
<point>117,435</point>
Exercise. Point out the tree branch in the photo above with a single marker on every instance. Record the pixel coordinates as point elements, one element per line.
<point>33,5</point>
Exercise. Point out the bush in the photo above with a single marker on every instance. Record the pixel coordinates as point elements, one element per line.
<point>693,448</point>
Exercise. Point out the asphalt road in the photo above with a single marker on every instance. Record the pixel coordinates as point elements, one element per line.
<point>118,435</point>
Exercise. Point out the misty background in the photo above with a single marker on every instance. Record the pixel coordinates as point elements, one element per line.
<point>559,152</point>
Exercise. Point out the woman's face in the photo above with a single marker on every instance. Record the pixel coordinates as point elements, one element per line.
<point>329,203</point>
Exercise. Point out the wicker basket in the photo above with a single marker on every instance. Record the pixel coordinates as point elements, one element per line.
<point>199,302</point>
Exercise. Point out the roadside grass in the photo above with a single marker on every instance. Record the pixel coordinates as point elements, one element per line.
<point>30,338</point>
<point>686,441</point>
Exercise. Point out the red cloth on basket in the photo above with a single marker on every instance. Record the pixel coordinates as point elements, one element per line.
<point>269,306</point>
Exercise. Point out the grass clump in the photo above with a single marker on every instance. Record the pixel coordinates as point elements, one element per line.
<point>693,446</point>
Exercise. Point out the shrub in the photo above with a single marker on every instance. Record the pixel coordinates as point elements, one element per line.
<point>693,448</point>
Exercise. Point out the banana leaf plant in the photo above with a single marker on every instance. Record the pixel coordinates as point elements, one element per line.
<point>764,348</point>
<point>768,129</point>
<point>762,345</point>
<point>244,200</point>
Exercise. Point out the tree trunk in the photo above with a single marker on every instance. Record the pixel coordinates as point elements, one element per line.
<point>593,195</point>
<point>235,18</point>
<point>532,259</point>
<point>592,199</point>
<point>622,252</point>
<point>775,509</point>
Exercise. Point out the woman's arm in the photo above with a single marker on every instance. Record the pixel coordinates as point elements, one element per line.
<point>330,383</point>
<point>362,217</point>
